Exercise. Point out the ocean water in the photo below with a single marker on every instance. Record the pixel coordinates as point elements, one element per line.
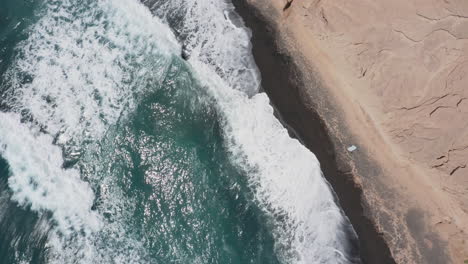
<point>134,132</point>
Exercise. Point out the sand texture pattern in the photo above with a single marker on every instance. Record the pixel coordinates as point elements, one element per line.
<point>398,72</point>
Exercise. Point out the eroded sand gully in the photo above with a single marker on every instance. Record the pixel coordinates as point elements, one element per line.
<point>396,74</point>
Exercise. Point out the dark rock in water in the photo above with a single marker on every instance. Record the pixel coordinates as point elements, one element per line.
<point>4,107</point>
<point>185,53</point>
<point>288,5</point>
<point>71,156</point>
<point>69,163</point>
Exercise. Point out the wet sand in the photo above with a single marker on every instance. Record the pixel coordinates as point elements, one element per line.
<point>304,117</point>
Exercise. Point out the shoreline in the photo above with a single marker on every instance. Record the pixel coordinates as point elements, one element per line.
<point>408,203</point>
<point>305,122</point>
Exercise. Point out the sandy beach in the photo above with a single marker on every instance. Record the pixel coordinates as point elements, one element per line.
<point>388,78</point>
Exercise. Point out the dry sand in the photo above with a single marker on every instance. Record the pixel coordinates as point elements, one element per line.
<point>398,72</point>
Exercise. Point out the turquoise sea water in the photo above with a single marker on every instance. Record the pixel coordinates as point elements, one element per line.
<point>114,149</point>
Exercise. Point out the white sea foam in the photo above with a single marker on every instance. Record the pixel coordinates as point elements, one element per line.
<point>212,32</point>
<point>308,225</point>
<point>72,77</point>
<point>285,176</point>
<point>83,66</point>
<point>38,180</point>
<point>80,69</point>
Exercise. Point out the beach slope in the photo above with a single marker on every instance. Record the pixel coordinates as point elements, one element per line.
<point>388,77</point>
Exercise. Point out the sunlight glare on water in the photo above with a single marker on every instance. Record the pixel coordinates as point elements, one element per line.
<point>114,149</point>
